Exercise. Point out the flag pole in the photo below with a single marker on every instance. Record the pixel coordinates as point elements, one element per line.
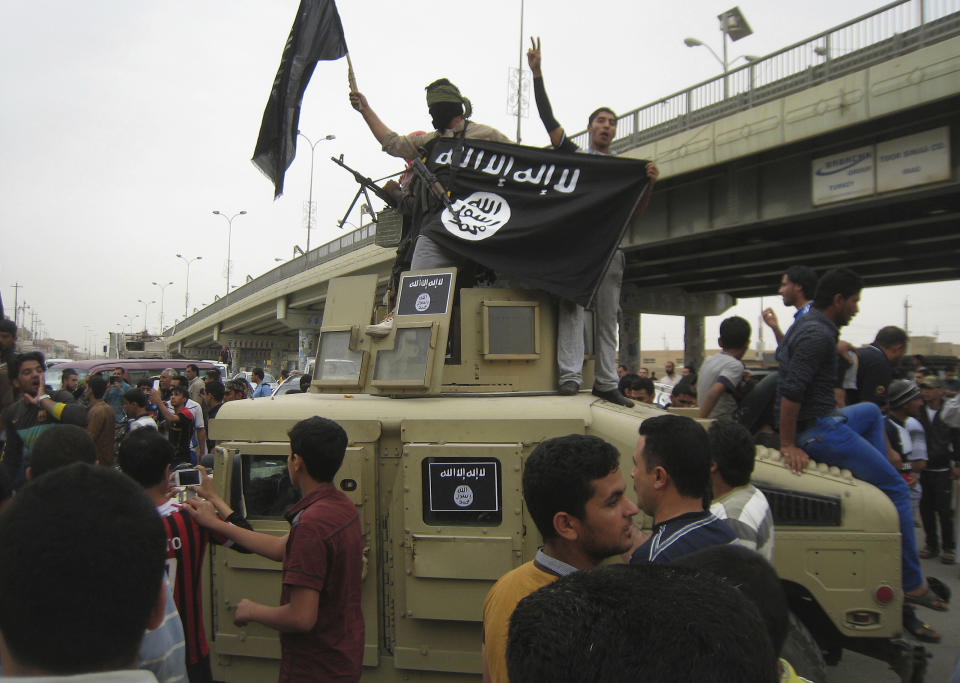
<point>351,78</point>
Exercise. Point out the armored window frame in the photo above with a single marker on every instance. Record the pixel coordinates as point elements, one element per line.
<point>353,345</point>
<point>380,361</point>
<point>489,330</point>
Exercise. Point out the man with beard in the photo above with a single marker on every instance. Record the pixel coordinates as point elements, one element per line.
<point>797,287</point>
<point>33,414</point>
<point>576,495</point>
<point>811,425</point>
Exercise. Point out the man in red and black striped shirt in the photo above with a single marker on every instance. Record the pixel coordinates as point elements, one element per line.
<point>146,456</point>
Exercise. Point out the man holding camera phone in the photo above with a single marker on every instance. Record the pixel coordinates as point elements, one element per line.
<point>147,457</point>
<point>179,421</point>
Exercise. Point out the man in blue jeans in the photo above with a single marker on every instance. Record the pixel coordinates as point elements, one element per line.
<point>811,426</point>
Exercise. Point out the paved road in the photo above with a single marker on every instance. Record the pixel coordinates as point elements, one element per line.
<point>856,667</point>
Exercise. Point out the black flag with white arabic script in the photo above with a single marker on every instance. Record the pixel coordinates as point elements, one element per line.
<point>551,219</point>
<point>316,34</point>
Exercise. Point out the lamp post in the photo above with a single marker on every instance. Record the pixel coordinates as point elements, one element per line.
<point>163,288</point>
<point>733,26</point>
<point>229,221</point>
<point>146,304</point>
<point>313,146</point>
<point>186,290</point>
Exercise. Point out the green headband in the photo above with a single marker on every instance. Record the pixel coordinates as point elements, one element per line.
<point>444,91</point>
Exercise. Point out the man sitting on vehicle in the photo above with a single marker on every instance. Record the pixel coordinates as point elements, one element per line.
<point>721,375</point>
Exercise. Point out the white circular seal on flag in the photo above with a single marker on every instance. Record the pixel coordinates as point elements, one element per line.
<point>422,303</point>
<point>476,217</point>
<point>463,496</point>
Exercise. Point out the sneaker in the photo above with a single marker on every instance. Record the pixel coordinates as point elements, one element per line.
<point>927,553</point>
<point>568,388</point>
<point>382,328</point>
<point>948,557</point>
<point>614,396</point>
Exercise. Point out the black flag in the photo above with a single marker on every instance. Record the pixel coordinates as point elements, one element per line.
<point>551,219</point>
<point>316,34</point>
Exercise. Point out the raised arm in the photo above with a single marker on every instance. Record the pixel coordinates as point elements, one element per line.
<point>377,127</point>
<point>554,129</point>
<point>267,545</point>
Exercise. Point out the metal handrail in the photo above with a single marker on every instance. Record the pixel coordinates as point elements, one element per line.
<point>895,28</point>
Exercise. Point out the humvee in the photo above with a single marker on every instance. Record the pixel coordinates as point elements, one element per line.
<point>440,416</point>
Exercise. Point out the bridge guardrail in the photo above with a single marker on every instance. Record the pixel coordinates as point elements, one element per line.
<point>893,29</point>
<point>352,241</point>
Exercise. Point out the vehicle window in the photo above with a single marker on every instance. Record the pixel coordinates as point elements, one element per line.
<point>139,374</point>
<point>337,361</point>
<point>408,360</point>
<point>267,490</point>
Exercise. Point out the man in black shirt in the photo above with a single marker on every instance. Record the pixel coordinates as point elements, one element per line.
<point>810,424</point>
<point>936,480</point>
<point>875,364</point>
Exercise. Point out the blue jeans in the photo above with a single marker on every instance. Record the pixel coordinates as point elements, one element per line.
<point>854,439</point>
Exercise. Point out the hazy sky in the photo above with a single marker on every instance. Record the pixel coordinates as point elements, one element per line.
<point>126,122</point>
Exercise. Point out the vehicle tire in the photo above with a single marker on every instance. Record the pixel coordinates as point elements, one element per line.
<point>803,653</point>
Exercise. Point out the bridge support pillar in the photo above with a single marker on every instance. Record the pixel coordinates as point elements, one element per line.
<point>629,342</point>
<point>693,340</point>
<point>304,344</point>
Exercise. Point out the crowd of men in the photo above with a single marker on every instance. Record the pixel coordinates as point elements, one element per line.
<point>695,599</point>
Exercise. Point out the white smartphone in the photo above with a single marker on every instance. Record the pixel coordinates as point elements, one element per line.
<point>186,478</point>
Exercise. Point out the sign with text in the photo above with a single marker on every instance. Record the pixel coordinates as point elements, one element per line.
<point>843,176</point>
<point>913,160</point>
<point>424,294</point>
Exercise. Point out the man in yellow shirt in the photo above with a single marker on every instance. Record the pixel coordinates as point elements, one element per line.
<point>576,495</point>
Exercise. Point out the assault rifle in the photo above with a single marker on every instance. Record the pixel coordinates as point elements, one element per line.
<point>365,185</point>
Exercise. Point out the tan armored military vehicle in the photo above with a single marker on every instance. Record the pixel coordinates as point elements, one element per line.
<point>441,415</point>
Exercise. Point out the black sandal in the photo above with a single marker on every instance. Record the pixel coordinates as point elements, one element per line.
<point>928,599</point>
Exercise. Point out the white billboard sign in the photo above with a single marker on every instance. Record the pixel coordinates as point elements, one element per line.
<point>843,176</point>
<point>913,160</point>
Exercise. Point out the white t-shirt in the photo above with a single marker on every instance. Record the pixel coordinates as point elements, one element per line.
<point>146,421</point>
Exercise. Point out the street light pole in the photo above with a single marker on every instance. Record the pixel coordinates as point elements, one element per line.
<point>146,304</point>
<point>186,290</point>
<point>163,289</point>
<point>733,26</point>
<point>313,146</point>
<point>229,221</point>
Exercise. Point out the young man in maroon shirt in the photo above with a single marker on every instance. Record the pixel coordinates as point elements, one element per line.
<point>319,617</point>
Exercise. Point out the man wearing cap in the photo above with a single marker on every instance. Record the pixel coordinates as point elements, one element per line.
<point>905,432</point>
<point>936,480</point>
<point>449,112</point>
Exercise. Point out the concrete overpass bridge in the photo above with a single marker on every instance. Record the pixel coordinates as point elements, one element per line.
<point>832,151</point>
